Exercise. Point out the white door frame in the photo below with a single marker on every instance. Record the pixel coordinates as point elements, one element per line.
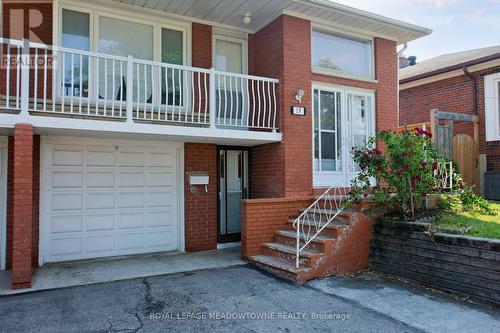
<point>324,179</point>
<point>45,140</point>
<point>4,143</point>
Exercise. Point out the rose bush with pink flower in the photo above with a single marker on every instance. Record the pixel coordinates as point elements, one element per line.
<point>403,173</point>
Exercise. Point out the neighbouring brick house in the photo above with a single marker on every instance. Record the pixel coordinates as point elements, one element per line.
<point>465,82</point>
<point>167,125</point>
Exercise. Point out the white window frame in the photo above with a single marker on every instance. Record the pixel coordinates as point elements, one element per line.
<point>492,107</point>
<point>346,35</point>
<point>96,11</point>
<point>322,179</point>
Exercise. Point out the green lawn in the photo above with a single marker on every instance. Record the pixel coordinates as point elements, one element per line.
<point>472,224</point>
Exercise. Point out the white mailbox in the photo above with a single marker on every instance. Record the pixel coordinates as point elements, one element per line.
<point>198,179</point>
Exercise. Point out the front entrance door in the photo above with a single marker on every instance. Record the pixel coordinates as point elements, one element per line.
<point>233,186</point>
<point>343,119</point>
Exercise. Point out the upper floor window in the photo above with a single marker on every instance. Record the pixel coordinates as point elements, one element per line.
<point>337,53</point>
<point>492,106</point>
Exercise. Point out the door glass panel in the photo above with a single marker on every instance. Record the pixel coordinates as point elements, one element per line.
<point>137,42</point>
<point>172,52</point>
<point>359,113</point>
<point>228,56</point>
<point>233,187</point>
<point>234,190</point>
<point>327,131</point>
<point>329,159</point>
<point>75,35</point>
<point>230,97</point>
<point>222,192</point>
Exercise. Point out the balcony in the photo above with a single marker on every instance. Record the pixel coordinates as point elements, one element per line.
<point>61,88</point>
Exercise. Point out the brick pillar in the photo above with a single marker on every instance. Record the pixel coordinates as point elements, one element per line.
<point>22,206</point>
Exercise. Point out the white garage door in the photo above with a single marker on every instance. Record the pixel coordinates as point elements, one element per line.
<point>107,200</point>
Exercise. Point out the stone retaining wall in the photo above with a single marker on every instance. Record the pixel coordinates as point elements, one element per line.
<point>456,263</point>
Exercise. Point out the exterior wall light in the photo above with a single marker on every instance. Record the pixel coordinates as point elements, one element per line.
<point>299,95</point>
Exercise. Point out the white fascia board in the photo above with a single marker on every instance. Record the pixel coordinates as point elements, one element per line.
<point>47,124</point>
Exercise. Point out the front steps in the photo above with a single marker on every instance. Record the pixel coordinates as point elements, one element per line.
<point>342,247</point>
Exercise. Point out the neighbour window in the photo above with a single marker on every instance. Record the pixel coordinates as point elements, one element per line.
<point>338,53</point>
<point>492,106</point>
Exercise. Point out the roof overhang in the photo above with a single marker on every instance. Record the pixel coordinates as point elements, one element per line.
<point>229,14</point>
<point>450,71</point>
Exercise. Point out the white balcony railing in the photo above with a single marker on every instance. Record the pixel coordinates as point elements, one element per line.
<point>55,80</point>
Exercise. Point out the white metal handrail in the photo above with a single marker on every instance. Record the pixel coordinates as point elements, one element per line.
<point>88,83</point>
<point>318,216</point>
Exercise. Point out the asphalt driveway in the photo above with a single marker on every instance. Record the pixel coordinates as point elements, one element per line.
<point>235,299</point>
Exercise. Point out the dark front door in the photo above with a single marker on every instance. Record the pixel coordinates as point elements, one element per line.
<point>233,186</point>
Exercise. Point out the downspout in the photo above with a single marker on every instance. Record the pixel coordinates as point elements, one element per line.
<point>400,52</point>
<point>472,78</point>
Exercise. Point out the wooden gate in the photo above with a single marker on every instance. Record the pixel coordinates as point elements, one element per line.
<point>465,153</point>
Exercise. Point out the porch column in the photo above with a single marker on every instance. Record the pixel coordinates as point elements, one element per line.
<point>22,205</point>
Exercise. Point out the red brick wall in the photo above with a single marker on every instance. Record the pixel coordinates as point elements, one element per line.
<point>201,45</point>
<point>451,95</point>
<point>36,201</point>
<point>260,218</point>
<point>283,51</point>
<point>10,202</point>
<point>200,207</point>
<point>267,164</point>
<point>22,206</point>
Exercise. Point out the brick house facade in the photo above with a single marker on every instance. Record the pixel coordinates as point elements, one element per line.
<point>48,166</point>
<point>451,90</point>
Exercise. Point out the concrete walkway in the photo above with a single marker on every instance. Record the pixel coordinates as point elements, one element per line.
<point>418,307</point>
<point>84,272</point>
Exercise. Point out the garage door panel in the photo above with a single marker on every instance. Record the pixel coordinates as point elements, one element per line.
<point>101,158</point>
<point>131,241</point>
<point>161,199</point>
<point>99,222</point>
<point>131,199</point>
<point>66,223</point>
<point>161,238</point>
<point>109,200</point>
<point>131,179</point>
<point>64,247</point>
<point>67,157</point>
<point>67,179</point>
<point>157,159</point>
<point>161,179</point>
<point>166,218</point>
<point>100,200</point>
<point>131,159</point>
<point>100,244</point>
<point>100,179</point>
<point>130,221</point>
<point>65,201</point>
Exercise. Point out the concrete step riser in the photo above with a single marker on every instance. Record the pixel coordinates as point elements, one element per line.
<point>329,231</point>
<point>288,257</point>
<point>276,271</point>
<point>285,240</point>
